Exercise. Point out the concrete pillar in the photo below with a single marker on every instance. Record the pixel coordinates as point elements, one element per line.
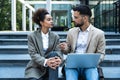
<point>49,6</point>
<point>23,17</point>
<point>13,15</point>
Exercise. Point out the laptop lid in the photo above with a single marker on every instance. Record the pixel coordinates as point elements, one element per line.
<point>88,60</point>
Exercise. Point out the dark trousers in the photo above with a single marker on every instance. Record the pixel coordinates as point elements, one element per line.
<point>51,74</point>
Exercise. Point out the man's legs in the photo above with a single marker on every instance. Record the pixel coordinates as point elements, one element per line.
<point>91,74</point>
<point>71,74</point>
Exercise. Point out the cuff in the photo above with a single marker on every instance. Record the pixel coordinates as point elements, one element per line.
<point>45,65</point>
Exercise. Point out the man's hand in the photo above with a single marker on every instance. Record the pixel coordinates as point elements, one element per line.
<point>63,45</point>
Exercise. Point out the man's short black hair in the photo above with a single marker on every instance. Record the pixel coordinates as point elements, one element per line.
<point>83,9</point>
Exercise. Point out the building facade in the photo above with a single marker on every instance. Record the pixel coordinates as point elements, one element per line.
<point>60,11</point>
<point>106,15</point>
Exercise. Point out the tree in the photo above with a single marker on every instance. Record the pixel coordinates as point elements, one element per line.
<point>5,14</point>
<point>18,15</point>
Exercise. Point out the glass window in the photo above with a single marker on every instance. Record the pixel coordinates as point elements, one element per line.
<point>60,18</point>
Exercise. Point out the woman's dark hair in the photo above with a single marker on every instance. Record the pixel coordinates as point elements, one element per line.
<point>83,9</point>
<point>39,15</point>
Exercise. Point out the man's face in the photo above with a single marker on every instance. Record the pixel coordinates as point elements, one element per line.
<point>78,19</point>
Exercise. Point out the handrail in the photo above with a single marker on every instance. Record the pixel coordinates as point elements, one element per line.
<point>26,4</point>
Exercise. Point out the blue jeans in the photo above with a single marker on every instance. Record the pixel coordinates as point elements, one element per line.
<point>75,73</point>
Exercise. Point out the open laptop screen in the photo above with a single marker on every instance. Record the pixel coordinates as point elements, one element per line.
<point>87,60</point>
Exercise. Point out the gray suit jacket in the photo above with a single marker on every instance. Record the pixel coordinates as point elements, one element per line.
<point>95,42</point>
<point>35,68</point>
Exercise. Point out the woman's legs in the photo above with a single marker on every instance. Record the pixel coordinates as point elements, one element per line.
<point>53,73</point>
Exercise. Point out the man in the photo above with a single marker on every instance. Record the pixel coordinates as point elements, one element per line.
<point>84,38</point>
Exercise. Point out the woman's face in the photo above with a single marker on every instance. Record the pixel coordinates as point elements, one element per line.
<point>48,22</point>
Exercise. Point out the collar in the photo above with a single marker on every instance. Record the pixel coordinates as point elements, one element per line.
<point>44,34</point>
<point>87,30</point>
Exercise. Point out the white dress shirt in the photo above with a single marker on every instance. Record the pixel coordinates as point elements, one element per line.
<point>45,41</point>
<point>81,44</point>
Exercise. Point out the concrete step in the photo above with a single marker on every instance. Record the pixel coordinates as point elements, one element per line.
<point>62,34</point>
<point>23,34</point>
<point>24,41</point>
<point>13,49</point>
<point>23,49</point>
<point>10,64</point>
<point>13,41</point>
<point>110,35</point>
<point>13,79</point>
<point>12,71</point>
<point>17,71</point>
<point>109,61</point>
<point>17,41</point>
<point>14,35</point>
<point>112,41</point>
<point>111,72</point>
<point>112,49</point>
<point>14,58</point>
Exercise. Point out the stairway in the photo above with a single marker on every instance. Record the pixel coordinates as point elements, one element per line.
<point>111,64</point>
<point>14,55</point>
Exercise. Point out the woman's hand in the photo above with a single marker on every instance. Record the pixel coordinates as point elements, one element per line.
<point>54,62</point>
<point>58,61</point>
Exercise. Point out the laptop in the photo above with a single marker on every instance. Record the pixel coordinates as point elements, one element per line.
<point>87,60</point>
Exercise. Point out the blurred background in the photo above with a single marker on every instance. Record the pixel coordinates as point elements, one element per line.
<point>16,15</point>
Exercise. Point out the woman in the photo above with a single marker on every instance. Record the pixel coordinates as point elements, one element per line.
<point>43,49</point>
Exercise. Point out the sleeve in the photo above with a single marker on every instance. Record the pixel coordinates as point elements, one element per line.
<point>101,46</point>
<point>68,48</point>
<point>56,47</point>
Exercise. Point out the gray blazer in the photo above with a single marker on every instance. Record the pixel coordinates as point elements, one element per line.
<point>95,42</point>
<point>35,68</point>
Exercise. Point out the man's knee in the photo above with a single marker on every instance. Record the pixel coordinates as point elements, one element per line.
<point>91,74</point>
